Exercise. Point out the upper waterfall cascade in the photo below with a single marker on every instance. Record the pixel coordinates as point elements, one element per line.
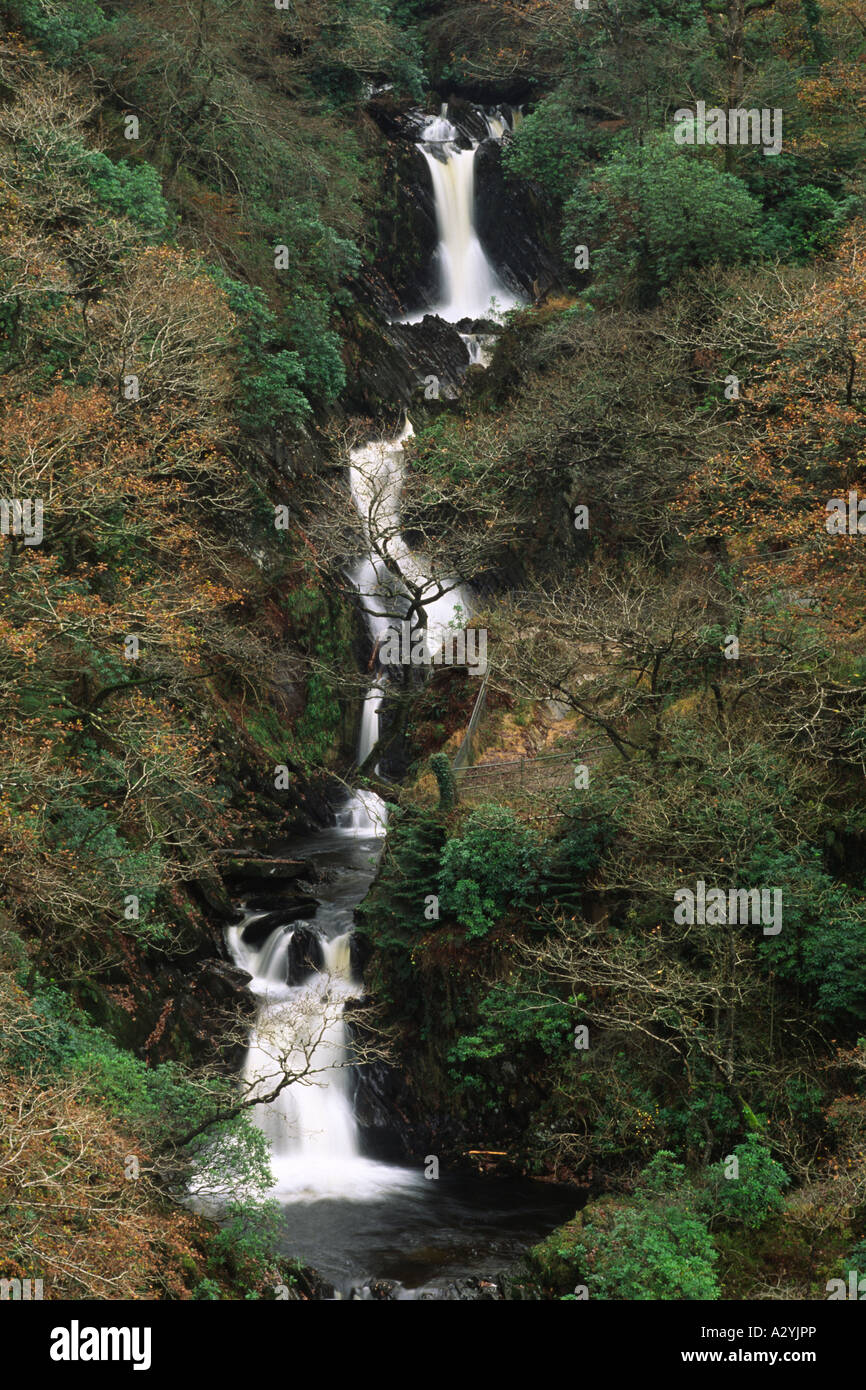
<point>469,286</point>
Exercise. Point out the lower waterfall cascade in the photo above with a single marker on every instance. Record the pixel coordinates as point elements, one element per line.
<point>300,1028</point>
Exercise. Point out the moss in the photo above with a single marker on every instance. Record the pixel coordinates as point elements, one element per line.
<point>554,1260</point>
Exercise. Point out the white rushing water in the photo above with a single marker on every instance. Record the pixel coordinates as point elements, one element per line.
<point>469,286</point>
<point>300,1029</point>
<point>376,481</point>
<point>480,348</point>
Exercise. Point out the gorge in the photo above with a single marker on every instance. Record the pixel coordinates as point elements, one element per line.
<point>431,450</point>
<point>359,1222</point>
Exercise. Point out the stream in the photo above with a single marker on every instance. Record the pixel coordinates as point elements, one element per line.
<point>356,1220</point>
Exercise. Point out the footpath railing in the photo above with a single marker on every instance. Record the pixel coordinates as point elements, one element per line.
<point>534,774</point>
<point>549,772</point>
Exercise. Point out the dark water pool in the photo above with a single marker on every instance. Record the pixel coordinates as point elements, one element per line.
<point>426,1238</point>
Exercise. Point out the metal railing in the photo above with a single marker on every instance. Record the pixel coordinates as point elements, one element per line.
<point>522,776</point>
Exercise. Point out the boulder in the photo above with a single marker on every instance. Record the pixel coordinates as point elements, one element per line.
<point>257,932</point>
<point>260,872</point>
<point>394,119</point>
<point>224,983</point>
<point>304,956</point>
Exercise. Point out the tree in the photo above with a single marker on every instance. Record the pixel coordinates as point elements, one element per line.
<point>769,496</point>
<point>652,212</point>
<point>491,866</point>
<point>753,1193</point>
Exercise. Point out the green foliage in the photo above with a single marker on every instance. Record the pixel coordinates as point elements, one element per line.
<point>803,224</point>
<point>822,944</point>
<point>318,347</point>
<point>553,145</point>
<point>89,834</point>
<point>84,182</point>
<point>577,849</point>
<point>127,190</point>
<point>802,217</point>
<point>493,864</point>
<point>656,1246</point>
<point>855,1259</point>
<point>514,1025</point>
<point>247,1238</point>
<point>755,1194</point>
<point>320,720</point>
<point>706,1109</point>
<point>360,42</point>
<point>320,259</point>
<point>60,27</point>
<point>650,213</point>
<point>271,375</point>
<point>206,1290</point>
<point>443,772</point>
<point>806,1100</point>
<point>392,915</point>
<point>162,1104</point>
<point>444,451</point>
<point>321,626</point>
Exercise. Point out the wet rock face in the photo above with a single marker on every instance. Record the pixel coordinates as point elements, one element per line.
<point>407,228</point>
<point>378,1093</point>
<point>434,353</point>
<point>379,384</point>
<point>508,226</point>
<point>467,120</point>
<point>393,363</point>
<point>394,1125</point>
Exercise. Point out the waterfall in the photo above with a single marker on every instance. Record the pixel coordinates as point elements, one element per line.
<point>370,721</point>
<point>300,1028</point>
<point>310,1127</point>
<point>496,124</point>
<point>480,348</point>
<point>376,481</point>
<point>469,286</point>
<point>364,812</point>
